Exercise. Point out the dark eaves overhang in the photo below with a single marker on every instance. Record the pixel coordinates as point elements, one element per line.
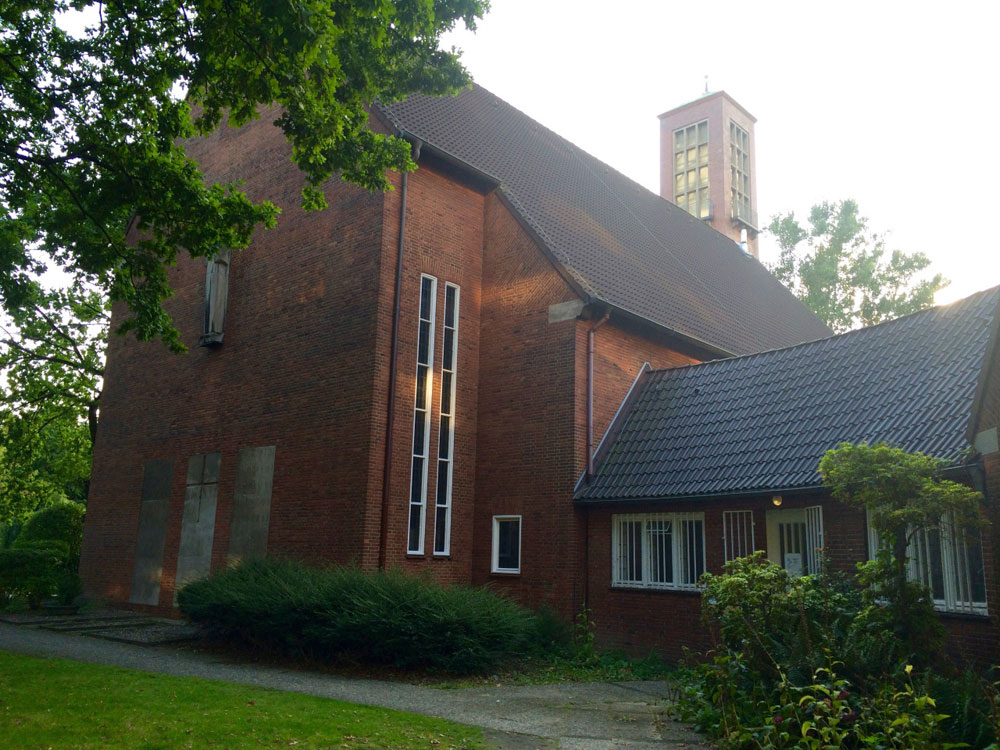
<point>806,489</point>
<point>970,470</point>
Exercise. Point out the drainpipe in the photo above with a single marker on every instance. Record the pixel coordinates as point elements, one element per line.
<point>590,394</point>
<point>390,410</point>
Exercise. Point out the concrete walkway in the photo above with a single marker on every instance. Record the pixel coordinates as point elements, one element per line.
<point>568,716</point>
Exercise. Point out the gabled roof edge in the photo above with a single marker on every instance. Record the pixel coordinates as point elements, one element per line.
<point>618,420</point>
<point>989,362</point>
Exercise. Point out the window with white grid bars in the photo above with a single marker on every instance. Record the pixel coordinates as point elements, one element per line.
<point>737,533</point>
<point>691,169</point>
<point>446,430</point>
<point>658,550</point>
<point>948,560</point>
<point>421,415</point>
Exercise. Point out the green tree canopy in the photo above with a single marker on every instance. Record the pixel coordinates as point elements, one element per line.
<point>904,493</point>
<point>91,122</point>
<point>44,459</point>
<point>843,272</point>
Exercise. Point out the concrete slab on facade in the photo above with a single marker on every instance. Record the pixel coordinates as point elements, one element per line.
<point>565,716</point>
<point>194,553</point>
<point>251,503</point>
<point>154,506</point>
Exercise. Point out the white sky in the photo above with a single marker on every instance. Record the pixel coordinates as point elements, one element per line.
<point>893,104</point>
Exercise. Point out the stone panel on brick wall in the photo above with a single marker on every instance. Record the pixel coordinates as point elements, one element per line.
<point>147,568</point>
<point>251,503</point>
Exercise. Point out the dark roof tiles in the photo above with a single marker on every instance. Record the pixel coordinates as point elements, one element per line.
<point>619,242</point>
<point>762,422</point>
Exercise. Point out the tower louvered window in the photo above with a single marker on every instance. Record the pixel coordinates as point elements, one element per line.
<point>691,169</point>
<point>739,145</point>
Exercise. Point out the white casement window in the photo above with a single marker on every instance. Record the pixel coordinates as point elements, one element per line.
<point>658,550</point>
<point>949,562</point>
<point>421,415</point>
<point>216,298</point>
<point>506,544</point>
<point>446,430</point>
<point>737,533</point>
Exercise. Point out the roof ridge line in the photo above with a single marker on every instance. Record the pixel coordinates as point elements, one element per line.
<point>926,310</point>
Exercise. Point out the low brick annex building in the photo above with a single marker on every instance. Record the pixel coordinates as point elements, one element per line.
<point>420,379</point>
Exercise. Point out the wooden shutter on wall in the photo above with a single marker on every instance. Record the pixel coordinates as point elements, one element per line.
<point>216,298</point>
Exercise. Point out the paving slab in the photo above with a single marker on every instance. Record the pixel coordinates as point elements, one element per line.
<point>563,716</point>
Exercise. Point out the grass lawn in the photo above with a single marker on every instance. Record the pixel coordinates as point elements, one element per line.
<point>52,703</point>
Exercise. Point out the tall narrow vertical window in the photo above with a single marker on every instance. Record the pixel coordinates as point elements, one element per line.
<point>216,298</point>
<point>737,533</point>
<point>739,145</point>
<point>446,431</point>
<point>691,169</point>
<point>421,415</point>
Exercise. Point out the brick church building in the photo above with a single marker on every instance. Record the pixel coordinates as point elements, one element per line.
<point>492,374</point>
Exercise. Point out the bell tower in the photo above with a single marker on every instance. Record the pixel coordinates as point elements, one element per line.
<point>707,165</point>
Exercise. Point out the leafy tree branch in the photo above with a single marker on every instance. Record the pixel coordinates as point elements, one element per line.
<point>843,271</point>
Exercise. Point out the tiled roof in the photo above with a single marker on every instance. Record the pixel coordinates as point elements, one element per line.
<point>762,422</point>
<point>617,241</point>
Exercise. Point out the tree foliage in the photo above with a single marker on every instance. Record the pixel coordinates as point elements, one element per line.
<point>93,178</point>
<point>843,272</point>
<point>44,459</point>
<point>51,364</point>
<point>904,494</point>
<point>52,354</point>
<point>97,193</point>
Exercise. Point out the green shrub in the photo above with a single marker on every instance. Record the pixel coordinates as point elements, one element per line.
<point>8,534</point>
<point>782,625</point>
<point>374,617</point>
<point>61,522</point>
<point>970,702</point>
<point>33,571</point>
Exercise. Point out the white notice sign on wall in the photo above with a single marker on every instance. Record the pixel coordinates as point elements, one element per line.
<point>793,563</point>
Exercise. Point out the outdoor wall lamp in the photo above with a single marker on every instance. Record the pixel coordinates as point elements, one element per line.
<point>776,501</point>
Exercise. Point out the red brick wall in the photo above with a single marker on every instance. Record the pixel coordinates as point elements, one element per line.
<point>668,621</point>
<point>975,639</point>
<point>303,366</point>
<point>525,461</point>
<point>620,350</point>
<point>444,239</point>
<point>641,621</point>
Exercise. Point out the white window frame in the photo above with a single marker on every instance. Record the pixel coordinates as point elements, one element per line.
<point>737,534</point>
<point>420,501</point>
<point>495,566</point>
<point>446,463</point>
<point>955,564</point>
<point>811,554</point>
<point>624,537</point>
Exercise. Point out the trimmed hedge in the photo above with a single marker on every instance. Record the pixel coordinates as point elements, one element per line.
<point>33,571</point>
<point>374,617</point>
<point>61,522</point>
